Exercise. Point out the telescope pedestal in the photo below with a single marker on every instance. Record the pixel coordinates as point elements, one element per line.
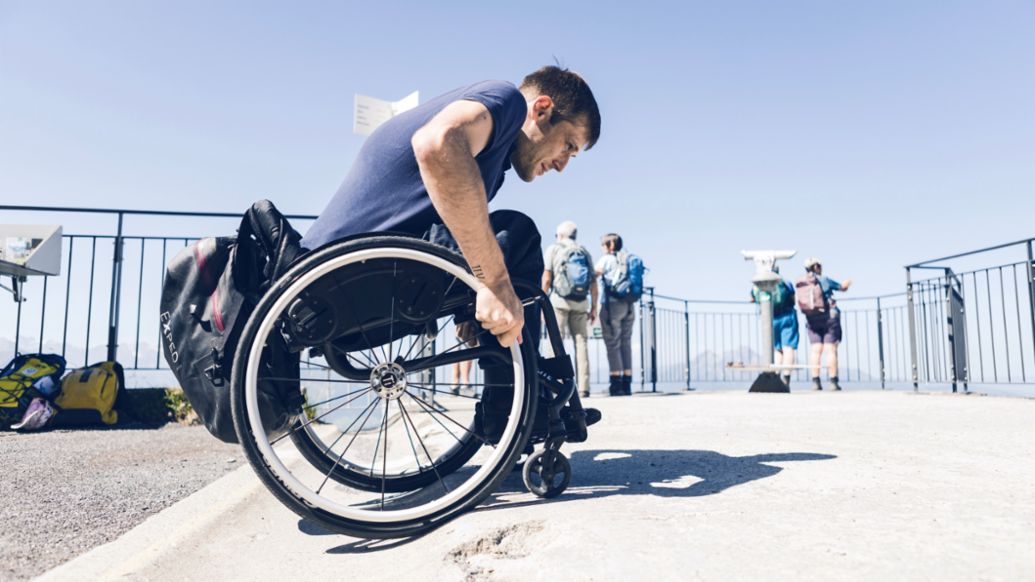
<point>769,382</point>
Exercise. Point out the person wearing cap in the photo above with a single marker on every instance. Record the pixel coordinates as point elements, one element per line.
<point>574,313</point>
<point>824,325</point>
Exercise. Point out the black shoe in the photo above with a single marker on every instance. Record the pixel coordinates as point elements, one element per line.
<point>816,385</point>
<point>593,416</point>
<point>833,382</point>
<point>615,388</point>
<point>786,380</point>
<point>627,385</point>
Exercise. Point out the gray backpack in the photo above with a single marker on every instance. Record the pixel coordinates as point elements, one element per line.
<point>572,273</point>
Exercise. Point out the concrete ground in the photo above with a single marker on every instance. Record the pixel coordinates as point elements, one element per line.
<point>714,486</point>
<point>67,491</point>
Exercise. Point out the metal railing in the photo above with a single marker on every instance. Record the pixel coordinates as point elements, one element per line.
<point>973,326</point>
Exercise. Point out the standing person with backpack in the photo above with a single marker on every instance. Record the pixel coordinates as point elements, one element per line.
<point>622,274</point>
<point>569,279</point>
<point>785,325</point>
<point>815,298</point>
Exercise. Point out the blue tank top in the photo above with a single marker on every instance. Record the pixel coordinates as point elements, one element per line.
<point>383,190</point>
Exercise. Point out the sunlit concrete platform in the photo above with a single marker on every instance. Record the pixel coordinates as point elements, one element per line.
<point>858,485</point>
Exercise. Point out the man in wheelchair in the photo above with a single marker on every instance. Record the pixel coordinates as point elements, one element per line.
<point>431,172</point>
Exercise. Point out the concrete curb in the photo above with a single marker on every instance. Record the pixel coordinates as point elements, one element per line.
<point>160,533</point>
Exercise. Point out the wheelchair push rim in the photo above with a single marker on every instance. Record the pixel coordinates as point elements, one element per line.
<point>370,511</point>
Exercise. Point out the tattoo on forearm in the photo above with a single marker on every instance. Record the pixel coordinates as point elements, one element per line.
<point>478,272</point>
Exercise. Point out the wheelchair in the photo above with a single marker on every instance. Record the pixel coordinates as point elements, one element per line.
<point>384,445</point>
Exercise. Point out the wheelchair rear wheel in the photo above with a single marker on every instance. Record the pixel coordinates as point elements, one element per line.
<point>385,446</point>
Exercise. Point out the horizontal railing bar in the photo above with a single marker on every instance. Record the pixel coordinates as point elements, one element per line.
<point>979,270</point>
<point>139,212</point>
<point>923,264</point>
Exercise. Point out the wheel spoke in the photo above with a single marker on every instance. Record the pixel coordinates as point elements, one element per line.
<point>409,437</point>
<point>432,412</point>
<point>369,411</point>
<point>311,421</point>
<point>437,309</point>
<point>370,361</point>
<point>391,317</point>
<point>381,429</point>
<point>406,414</point>
<point>323,380</point>
<point>435,358</point>
<point>332,399</point>
<point>384,458</point>
<point>426,388</point>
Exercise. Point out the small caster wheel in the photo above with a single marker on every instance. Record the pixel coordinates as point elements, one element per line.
<point>547,473</point>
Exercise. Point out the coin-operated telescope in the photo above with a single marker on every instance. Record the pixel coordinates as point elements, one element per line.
<point>766,279</point>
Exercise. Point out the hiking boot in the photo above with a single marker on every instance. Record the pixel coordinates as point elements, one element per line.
<point>627,385</point>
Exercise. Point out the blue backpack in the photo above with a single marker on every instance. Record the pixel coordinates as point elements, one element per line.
<point>626,281</point>
<point>572,274</point>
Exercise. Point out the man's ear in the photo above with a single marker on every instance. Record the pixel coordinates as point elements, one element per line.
<point>542,108</point>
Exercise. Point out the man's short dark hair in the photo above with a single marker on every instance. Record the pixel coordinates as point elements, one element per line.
<point>612,241</point>
<point>573,101</point>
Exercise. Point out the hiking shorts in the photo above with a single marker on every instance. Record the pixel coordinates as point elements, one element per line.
<point>824,329</point>
<point>785,331</point>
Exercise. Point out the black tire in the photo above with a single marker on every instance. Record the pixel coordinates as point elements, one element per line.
<point>277,478</point>
<point>546,473</point>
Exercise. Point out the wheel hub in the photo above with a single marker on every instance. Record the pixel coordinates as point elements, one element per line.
<point>388,381</point>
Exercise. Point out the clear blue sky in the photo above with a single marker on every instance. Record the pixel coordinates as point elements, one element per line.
<point>871,134</point>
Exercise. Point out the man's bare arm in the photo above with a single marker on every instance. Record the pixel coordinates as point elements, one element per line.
<point>594,293</point>
<point>547,281</point>
<point>445,149</point>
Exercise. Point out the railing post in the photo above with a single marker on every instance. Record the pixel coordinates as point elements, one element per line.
<point>1031,292</point>
<point>949,329</point>
<point>686,327</point>
<point>912,329</point>
<point>18,322</point>
<point>116,295</point>
<point>653,342</point>
<point>880,344</point>
<point>643,350</point>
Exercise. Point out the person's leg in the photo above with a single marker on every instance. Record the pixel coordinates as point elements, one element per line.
<point>815,328</point>
<point>789,343</point>
<point>609,328</point>
<point>815,355</point>
<point>830,350</point>
<point>521,244</point>
<point>628,319</point>
<point>830,342</point>
<point>465,372</point>
<point>577,321</point>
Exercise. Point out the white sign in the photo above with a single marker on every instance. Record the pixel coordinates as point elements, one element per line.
<point>371,112</point>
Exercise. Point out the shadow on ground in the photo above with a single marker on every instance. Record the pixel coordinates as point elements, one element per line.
<point>602,473</point>
<point>676,473</point>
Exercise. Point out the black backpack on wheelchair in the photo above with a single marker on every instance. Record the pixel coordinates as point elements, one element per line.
<point>210,289</point>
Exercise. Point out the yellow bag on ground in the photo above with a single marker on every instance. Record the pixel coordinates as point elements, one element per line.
<point>90,395</point>
<point>19,380</point>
